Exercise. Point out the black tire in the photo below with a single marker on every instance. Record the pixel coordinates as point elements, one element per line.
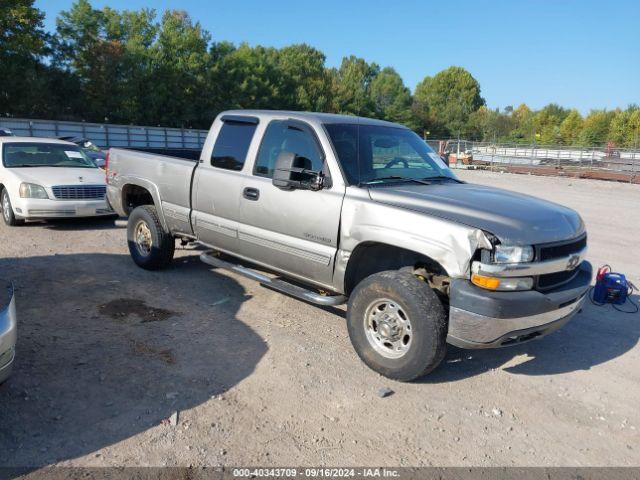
<point>160,252</point>
<point>7,213</point>
<point>426,344</point>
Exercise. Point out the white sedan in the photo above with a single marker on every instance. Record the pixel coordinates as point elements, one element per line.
<point>46,178</point>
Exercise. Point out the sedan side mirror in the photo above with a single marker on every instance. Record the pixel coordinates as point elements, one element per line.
<point>292,171</point>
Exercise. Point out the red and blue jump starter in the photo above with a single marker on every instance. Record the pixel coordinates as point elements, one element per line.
<point>612,287</point>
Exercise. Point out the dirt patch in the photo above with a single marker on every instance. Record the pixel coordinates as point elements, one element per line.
<point>125,307</point>
<point>165,354</point>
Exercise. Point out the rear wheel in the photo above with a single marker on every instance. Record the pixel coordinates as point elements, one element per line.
<point>149,245</point>
<point>397,325</point>
<point>7,211</point>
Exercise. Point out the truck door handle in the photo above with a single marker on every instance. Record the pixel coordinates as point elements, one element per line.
<point>251,193</point>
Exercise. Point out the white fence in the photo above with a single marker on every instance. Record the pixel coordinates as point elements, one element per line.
<point>606,163</point>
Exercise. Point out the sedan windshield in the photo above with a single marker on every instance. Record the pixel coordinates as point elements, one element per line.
<point>27,154</point>
<point>372,154</point>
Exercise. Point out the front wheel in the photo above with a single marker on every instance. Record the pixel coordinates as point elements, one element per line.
<point>149,245</point>
<point>397,325</point>
<point>7,211</point>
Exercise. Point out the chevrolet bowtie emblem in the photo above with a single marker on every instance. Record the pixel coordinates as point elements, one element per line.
<point>573,262</point>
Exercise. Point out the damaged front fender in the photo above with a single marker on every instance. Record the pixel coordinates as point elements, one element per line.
<point>450,244</point>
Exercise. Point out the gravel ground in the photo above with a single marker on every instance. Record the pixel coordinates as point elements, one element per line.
<point>190,366</point>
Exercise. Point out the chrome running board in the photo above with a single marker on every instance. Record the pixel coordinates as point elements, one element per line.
<point>274,283</point>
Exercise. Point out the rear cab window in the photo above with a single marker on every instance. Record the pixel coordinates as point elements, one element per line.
<point>232,144</point>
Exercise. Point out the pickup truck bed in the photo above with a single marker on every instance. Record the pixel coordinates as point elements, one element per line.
<point>170,188</point>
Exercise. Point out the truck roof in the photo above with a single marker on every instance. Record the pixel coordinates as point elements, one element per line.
<point>33,140</point>
<point>312,117</point>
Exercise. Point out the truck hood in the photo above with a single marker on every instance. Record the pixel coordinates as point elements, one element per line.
<point>49,176</point>
<point>514,218</point>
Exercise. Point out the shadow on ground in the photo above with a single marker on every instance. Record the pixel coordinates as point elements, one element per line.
<point>107,350</point>
<point>594,336</point>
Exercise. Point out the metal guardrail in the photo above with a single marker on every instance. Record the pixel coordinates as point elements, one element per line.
<point>602,163</point>
<point>106,135</point>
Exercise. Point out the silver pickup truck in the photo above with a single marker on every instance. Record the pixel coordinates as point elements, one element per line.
<point>337,209</point>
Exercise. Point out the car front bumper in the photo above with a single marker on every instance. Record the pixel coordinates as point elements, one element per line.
<point>480,318</point>
<point>34,208</point>
<point>8,329</point>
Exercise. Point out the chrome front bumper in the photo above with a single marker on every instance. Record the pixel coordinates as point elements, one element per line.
<point>35,208</point>
<point>8,330</point>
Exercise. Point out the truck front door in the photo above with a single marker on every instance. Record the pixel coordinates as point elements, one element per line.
<point>293,230</point>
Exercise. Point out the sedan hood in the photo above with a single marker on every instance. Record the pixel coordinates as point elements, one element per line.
<point>49,176</point>
<point>512,217</point>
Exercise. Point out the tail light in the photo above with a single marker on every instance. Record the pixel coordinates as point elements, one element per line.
<point>106,167</point>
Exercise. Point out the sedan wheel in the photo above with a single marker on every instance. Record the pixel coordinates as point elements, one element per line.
<point>7,212</point>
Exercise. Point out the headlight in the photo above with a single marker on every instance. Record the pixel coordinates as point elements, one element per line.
<point>502,284</point>
<point>31,190</point>
<point>513,254</point>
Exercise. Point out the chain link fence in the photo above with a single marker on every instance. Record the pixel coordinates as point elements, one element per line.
<point>605,163</point>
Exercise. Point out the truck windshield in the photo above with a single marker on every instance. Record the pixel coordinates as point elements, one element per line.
<point>27,154</point>
<point>372,154</point>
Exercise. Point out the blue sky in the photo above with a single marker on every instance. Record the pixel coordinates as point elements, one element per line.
<point>578,53</point>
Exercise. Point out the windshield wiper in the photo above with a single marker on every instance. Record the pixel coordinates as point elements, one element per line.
<point>443,177</point>
<point>27,166</point>
<point>394,177</point>
<point>70,166</point>
<point>51,166</point>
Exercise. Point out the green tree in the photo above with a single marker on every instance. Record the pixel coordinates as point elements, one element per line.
<point>84,50</point>
<point>179,59</point>
<point>352,86</point>
<point>251,78</point>
<point>136,31</point>
<point>491,125</point>
<point>391,98</point>
<point>116,56</point>
<point>304,81</point>
<point>23,44</point>
<point>445,101</point>
<point>219,89</point>
<point>547,124</point>
<point>523,126</point>
<point>596,128</point>
<point>625,127</point>
<point>571,127</point>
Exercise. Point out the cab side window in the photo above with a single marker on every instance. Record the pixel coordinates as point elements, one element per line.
<point>232,144</point>
<point>282,136</point>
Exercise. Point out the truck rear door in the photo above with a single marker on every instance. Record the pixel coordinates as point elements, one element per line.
<point>293,230</point>
<point>218,183</point>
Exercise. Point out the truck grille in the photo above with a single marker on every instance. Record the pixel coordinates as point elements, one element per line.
<point>79,192</point>
<point>552,251</point>
<point>561,249</point>
<point>552,280</point>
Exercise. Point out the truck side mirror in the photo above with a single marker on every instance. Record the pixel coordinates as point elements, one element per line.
<point>292,171</point>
